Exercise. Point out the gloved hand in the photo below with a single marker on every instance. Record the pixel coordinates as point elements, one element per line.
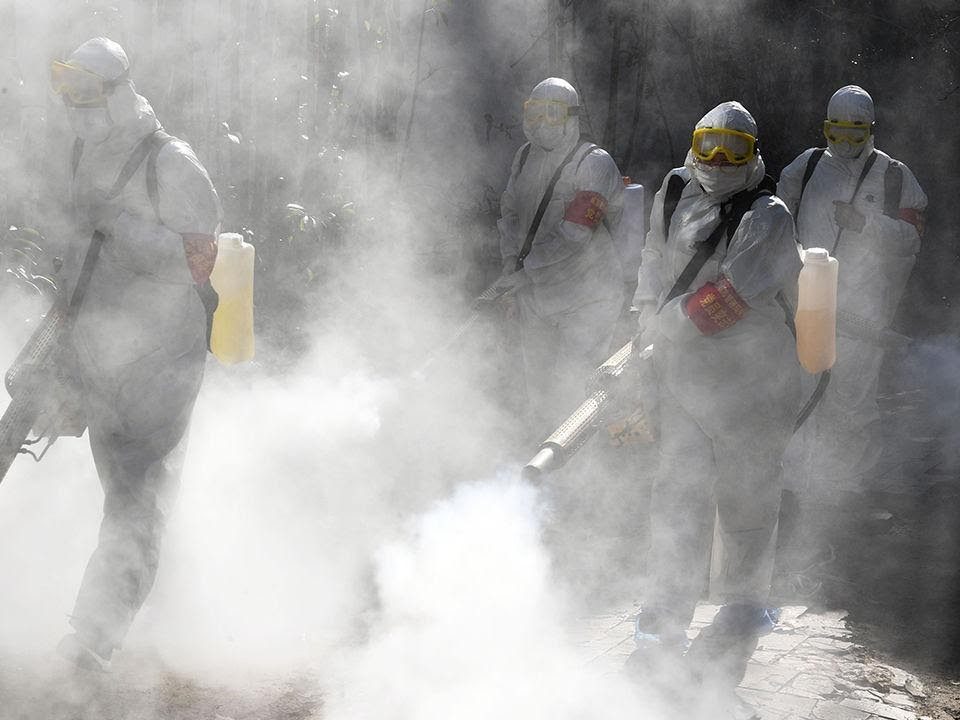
<point>848,217</point>
<point>512,280</point>
<point>673,323</point>
<point>631,415</point>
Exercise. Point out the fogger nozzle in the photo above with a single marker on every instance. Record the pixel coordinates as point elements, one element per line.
<point>541,464</point>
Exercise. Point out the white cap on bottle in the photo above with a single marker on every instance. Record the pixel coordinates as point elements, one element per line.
<point>233,240</point>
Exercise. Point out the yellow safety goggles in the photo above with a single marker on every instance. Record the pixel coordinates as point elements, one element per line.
<point>714,145</point>
<point>78,87</point>
<point>854,133</point>
<point>549,112</point>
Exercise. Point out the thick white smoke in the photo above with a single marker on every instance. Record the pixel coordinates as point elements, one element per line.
<point>473,624</point>
<point>282,503</point>
<point>50,512</point>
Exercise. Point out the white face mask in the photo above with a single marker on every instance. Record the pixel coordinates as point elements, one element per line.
<point>720,180</point>
<point>845,150</point>
<point>545,136</point>
<point>91,124</point>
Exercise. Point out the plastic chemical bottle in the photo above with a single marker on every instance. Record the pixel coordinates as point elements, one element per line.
<point>816,318</point>
<point>628,235</point>
<point>232,338</point>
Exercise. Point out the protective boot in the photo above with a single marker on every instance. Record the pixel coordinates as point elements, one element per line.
<point>82,655</point>
<point>657,663</point>
<point>718,656</point>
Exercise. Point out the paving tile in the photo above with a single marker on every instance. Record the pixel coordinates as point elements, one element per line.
<point>779,702</point>
<point>766,657</point>
<point>790,615</point>
<point>829,619</point>
<point>900,700</point>
<point>879,708</point>
<point>831,645</point>
<point>829,710</point>
<point>761,699</point>
<point>705,613</point>
<point>812,685</point>
<point>767,677</point>
<point>780,642</point>
<point>807,669</point>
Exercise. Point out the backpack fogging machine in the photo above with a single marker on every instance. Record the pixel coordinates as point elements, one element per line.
<point>614,389</point>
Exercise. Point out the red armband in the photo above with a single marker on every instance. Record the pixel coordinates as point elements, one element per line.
<point>914,217</point>
<point>713,308</point>
<point>587,208</point>
<point>201,251</point>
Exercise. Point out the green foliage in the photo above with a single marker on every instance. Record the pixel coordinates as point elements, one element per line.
<point>24,263</point>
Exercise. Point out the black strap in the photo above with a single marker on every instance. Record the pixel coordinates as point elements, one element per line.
<point>788,313</point>
<point>75,156</point>
<point>863,176</point>
<point>731,213</point>
<point>671,198</point>
<point>814,400</point>
<point>96,241</point>
<point>129,167</point>
<point>547,195</point>
<point>86,272</point>
<point>524,154</point>
<point>158,140</point>
<point>808,171</point>
<point>892,188</point>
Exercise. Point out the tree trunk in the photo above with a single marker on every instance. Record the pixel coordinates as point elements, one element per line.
<point>613,88</point>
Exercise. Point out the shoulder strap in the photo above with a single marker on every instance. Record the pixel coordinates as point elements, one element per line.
<point>863,176</point>
<point>130,166</point>
<point>75,156</point>
<point>524,154</point>
<point>158,140</point>
<point>96,241</point>
<point>892,188</point>
<point>547,195</point>
<point>590,148</point>
<point>731,213</point>
<point>705,249</point>
<point>808,171</point>
<point>671,198</point>
<point>741,203</point>
<point>86,272</point>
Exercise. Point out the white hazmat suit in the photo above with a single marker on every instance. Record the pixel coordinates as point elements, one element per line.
<point>140,336</point>
<point>728,385</point>
<point>877,249</point>
<point>568,292</point>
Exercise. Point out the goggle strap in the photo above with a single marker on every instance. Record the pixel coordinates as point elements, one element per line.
<point>119,80</point>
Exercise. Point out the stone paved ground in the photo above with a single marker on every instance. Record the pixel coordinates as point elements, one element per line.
<point>808,668</point>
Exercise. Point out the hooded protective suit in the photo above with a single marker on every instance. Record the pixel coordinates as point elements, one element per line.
<point>568,296</point>
<point>877,252</point>
<point>140,336</point>
<point>728,382</point>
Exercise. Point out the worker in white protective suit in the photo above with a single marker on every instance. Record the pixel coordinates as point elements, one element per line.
<point>728,391</point>
<point>867,209</point>
<point>141,333</point>
<point>560,261</point>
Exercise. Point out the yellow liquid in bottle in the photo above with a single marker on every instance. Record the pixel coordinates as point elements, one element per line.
<point>816,339</point>
<point>232,339</point>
